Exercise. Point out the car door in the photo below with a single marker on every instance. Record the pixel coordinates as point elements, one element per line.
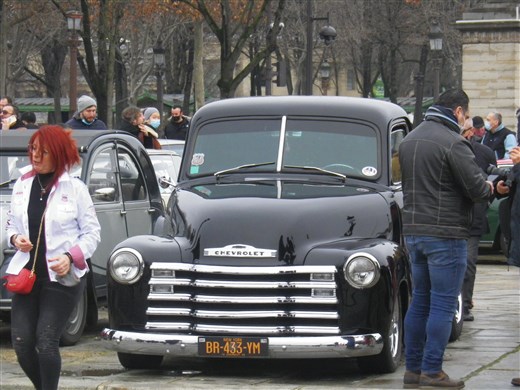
<point>102,182</point>
<point>136,199</point>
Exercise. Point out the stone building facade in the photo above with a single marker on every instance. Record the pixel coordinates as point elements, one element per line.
<point>491,59</point>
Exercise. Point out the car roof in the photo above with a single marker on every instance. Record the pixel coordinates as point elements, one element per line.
<point>15,140</point>
<point>373,110</point>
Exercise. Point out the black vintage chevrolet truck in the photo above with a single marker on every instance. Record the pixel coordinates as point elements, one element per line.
<point>283,241</point>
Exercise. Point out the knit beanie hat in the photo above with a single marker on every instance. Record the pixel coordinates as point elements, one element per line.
<point>85,102</point>
<point>148,112</point>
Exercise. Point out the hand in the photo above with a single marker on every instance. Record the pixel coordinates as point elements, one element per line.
<point>60,264</point>
<point>515,155</point>
<point>143,129</point>
<point>502,188</point>
<point>23,243</point>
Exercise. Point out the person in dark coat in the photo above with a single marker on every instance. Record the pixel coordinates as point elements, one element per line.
<point>133,122</point>
<point>178,125</point>
<point>86,116</point>
<point>484,157</point>
<point>441,181</point>
<point>497,136</point>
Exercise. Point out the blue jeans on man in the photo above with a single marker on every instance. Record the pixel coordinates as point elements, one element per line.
<point>438,268</point>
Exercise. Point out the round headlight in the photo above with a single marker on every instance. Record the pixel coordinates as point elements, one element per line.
<point>126,266</point>
<point>361,270</point>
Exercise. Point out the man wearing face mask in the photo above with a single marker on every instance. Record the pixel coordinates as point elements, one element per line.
<point>498,137</point>
<point>178,125</point>
<point>86,116</point>
<point>441,180</point>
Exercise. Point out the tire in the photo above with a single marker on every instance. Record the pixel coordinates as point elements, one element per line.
<point>389,359</point>
<point>75,323</point>
<point>135,361</point>
<point>458,320</point>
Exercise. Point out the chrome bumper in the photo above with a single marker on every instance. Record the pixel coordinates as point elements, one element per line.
<point>279,347</point>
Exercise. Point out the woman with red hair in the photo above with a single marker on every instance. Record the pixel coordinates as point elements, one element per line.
<point>53,225</point>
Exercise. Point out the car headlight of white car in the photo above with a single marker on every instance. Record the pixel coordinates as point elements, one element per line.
<point>126,266</point>
<point>362,270</point>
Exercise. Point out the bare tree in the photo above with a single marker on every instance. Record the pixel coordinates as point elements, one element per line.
<point>233,22</point>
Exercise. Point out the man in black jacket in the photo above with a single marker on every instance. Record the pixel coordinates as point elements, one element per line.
<point>178,125</point>
<point>484,157</point>
<point>441,180</point>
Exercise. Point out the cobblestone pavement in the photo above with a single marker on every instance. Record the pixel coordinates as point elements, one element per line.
<point>487,356</point>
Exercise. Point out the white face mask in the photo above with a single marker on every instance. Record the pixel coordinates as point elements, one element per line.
<point>487,125</point>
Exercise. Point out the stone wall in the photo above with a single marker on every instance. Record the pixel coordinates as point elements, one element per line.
<point>491,59</point>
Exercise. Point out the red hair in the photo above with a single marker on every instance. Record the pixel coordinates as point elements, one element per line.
<point>62,148</point>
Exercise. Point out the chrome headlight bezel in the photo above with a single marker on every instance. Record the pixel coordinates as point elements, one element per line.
<point>363,260</point>
<point>136,262</point>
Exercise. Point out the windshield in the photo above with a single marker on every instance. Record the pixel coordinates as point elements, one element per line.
<point>266,145</point>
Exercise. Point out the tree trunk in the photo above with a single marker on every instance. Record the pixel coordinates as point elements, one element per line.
<point>419,86</point>
<point>198,69</point>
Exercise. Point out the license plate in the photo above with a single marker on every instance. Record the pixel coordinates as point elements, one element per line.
<point>223,346</point>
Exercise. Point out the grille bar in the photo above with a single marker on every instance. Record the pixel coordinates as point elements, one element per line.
<point>296,300</point>
<point>241,314</point>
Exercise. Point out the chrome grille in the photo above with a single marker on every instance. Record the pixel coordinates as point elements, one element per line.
<point>246,300</point>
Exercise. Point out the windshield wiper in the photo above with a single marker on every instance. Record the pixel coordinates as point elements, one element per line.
<point>240,167</point>
<point>7,182</point>
<point>321,170</point>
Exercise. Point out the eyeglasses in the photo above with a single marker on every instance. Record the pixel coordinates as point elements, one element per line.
<point>34,150</point>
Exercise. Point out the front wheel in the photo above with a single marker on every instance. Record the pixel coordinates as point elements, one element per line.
<point>75,323</point>
<point>135,361</point>
<point>389,358</point>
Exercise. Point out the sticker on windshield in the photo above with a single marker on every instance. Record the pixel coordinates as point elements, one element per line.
<point>197,159</point>
<point>369,171</point>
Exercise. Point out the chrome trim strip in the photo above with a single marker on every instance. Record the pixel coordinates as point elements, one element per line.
<point>340,346</point>
<point>240,299</point>
<point>230,314</point>
<point>213,269</point>
<point>281,144</point>
<point>242,284</point>
<point>244,330</point>
<point>259,299</point>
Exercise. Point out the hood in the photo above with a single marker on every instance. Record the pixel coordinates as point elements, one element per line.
<point>277,223</point>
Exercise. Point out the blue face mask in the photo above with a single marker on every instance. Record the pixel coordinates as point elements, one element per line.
<point>155,123</point>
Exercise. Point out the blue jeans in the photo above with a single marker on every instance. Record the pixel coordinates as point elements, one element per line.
<point>438,267</point>
<point>37,322</point>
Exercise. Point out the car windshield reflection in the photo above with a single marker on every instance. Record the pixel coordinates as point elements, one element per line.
<point>345,148</point>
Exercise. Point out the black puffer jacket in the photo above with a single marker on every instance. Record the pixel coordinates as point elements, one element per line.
<point>441,180</point>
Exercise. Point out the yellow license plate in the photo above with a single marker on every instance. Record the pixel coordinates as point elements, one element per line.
<point>223,346</point>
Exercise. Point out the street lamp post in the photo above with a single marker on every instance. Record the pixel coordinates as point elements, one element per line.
<point>73,25</point>
<point>435,37</point>
<point>327,34</point>
<point>325,76</point>
<point>159,61</point>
